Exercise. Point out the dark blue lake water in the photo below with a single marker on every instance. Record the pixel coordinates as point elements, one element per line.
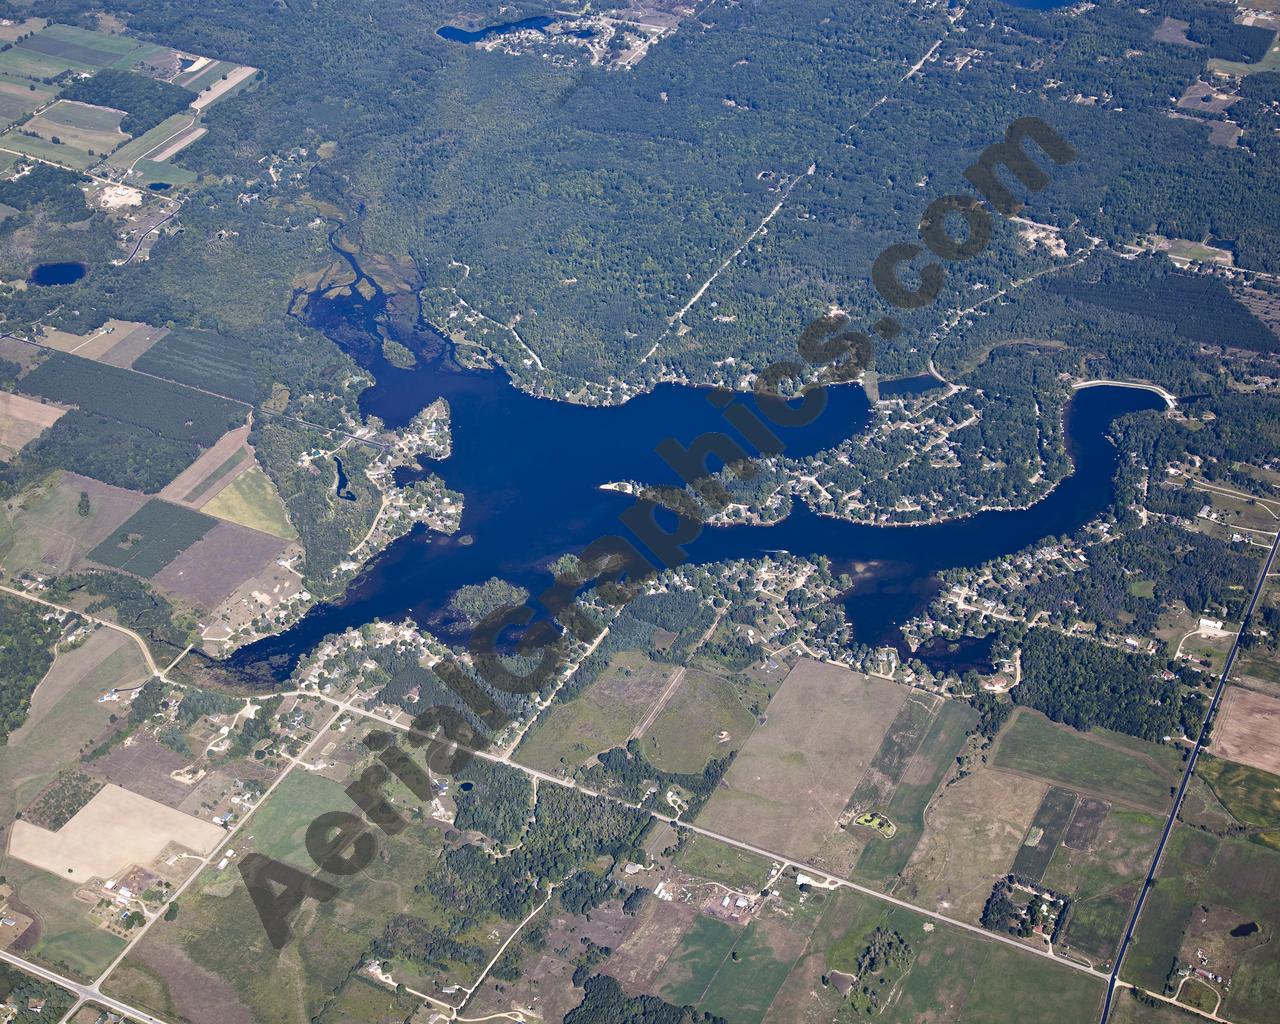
<point>58,273</point>
<point>462,35</point>
<point>530,471</point>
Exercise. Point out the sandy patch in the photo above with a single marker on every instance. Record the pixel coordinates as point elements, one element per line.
<point>212,94</point>
<point>113,830</point>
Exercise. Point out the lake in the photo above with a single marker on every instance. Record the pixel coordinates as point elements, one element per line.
<point>530,471</point>
<point>45,274</point>
<point>461,35</point>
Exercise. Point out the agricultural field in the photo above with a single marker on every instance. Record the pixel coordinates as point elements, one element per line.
<point>1251,797</point>
<point>251,500</point>
<point>58,48</point>
<point>75,134</point>
<point>703,719</point>
<point>152,538</point>
<point>22,420</point>
<point>1116,768</point>
<point>214,963</point>
<point>116,342</point>
<point>778,968</point>
<point>1046,831</point>
<point>1215,908</point>
<point>200,481</point>
<point>917,781</point>
<point>572,732</point>
<point>20,96</point>
<point>214,362</point>
<point>211,569</point>
<point>790,783</point>
<point>975,828</point>
<point>42,530</point>
<point>1247,729</point>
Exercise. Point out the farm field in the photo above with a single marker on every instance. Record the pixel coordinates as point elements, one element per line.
<point>67,938</point>
<point>116,342</point>
<point>1046,830</point>
<point>974,830</point>
<point>46,532</point>
<point>574,731</point>
<point>113,830</point>
<point>18,99</point>
<point>152,140</point>
<point>65,716</point>
<point>214,963</point>
<point>1114,767</point>
<point>977,981</point>
<point>883,859</point>
<point>200,481</point>
<point>702,720</point>
<point>80,133</point>
<point>1247,729</point>
<point>251,500</point>
<point>1250,796</point>
<point>1101,873</point>
<point>152,538</point>
<point>212,568</point>
<point>1222,897</point>
<point>22,420</point>
<point>789,785</point>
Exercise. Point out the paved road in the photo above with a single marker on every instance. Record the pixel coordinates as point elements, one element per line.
<point>1186,779</point>
<point>81,991</point>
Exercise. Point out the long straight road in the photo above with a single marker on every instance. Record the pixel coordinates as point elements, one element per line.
<point>1186,779</point>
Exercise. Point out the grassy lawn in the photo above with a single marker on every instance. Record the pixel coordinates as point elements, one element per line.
<point>1118,768</point>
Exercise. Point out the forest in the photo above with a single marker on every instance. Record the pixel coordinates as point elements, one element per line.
<point>1085,684</point>
<point>27,638</point>
<point>146,101</point>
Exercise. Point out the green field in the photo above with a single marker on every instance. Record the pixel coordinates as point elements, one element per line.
<point>149,140</point>
<point>219,929</point>
<point>883,859</point>
<point>709,858</point>
<point>1251,796</point>
<point>251,500</point>
<point>571,732</point>
<point>150,172</point>
<point>69,938</point>
<point>1047,828</point>
<point>703,949</point>
<point>1103,880</point>
<point>169,410</point>
<point>225,467</point>
<point>43,149</point>
<point>743,988</point>
<point>1118,768</point>
<point>686,734</point>
<point>152,538</point>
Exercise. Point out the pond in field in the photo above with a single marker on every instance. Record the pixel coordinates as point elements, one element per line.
<point>45,274</point>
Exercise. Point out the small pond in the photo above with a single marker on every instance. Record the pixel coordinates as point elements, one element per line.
<point>45,274</point>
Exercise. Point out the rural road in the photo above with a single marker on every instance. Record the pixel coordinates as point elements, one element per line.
<point>1186,779</point>
<point>81,991</point>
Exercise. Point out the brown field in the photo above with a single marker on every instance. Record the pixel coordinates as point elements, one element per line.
<point>191,481</point>
<point>791,781</point>
<point>972,833</point>
<point>639,963</point>
<point>1248,730</point>
<point>117,342</point>
<point>219,562</point>
<point>143,766</point>
<point>22,420</point>
<point>49,534</point>
<point>113,830</point>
